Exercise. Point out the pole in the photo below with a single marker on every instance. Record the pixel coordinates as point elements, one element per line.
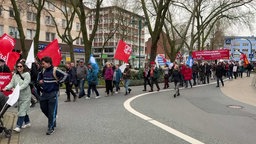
<point>139,39</point>
<point>250,49</point>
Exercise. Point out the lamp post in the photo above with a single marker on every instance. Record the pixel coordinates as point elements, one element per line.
<point>250,55</point>
<point>140,27</point>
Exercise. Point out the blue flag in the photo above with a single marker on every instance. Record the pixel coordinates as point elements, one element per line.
<point>94,63</point>
<point>190,61</point>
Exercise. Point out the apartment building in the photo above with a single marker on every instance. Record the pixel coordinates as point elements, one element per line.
<point>48,29</point>
<point>116,23</point>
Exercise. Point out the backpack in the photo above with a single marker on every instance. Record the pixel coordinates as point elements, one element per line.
<point>53,73</point>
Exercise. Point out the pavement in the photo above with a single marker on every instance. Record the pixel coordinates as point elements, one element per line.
<point>240,89</point>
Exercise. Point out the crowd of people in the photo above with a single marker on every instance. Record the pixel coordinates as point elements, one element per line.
<point>42,82</point>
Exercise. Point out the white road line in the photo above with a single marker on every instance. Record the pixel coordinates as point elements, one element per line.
<point>156,123</point>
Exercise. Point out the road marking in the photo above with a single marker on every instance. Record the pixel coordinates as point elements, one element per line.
<point>127,105</point>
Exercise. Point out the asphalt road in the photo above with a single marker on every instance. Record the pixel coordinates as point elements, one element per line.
<point>201,113</point>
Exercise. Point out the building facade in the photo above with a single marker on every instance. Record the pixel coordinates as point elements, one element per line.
<point>237,44</point>
<point>116,23</point>
<point>48,29</point>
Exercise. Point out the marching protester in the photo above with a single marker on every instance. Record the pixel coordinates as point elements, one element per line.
<point>195,70</point>
<point>154,76</point>
<point>81,72</point>
<point>4,67</point>
<point>187,76</point>
<point>241,69</point>
<point>166,76</point>
<point>117,77</point>
<point>73,66</point>
<point>207,72</point>
<point>92,79</point>
<point>235,70</point>
<point>21,77</point>
<point>49,79</point>
<point>70,81</point>
<point>146,76</point>
<point>219,73</point>
<point>176,76</point>
<point>108,76</point>
<point>249,68</point>
<point>126,78</point>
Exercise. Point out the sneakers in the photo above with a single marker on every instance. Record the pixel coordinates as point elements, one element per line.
<point>17,129</point>
<point>26,125</point>
<point>87,98</point>
<point>50,131</point>
<point>129,90</point>
<point>116,92</point>
<point>97,97</point>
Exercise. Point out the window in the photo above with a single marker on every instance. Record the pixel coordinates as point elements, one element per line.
<point>65,9</point>
<point>31,16</point>
<point>77,26</point>
<point>49,6</point>
<point>13,31</point>
<point>109,50</point>
<point>49,36</point>
<point>49,20</point>
<point>64,23</point>
<point>245,44</point>
<point>30,34</point>
<point>11,12</point>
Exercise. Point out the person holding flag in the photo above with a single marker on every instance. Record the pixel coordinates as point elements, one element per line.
<point>22,78</point>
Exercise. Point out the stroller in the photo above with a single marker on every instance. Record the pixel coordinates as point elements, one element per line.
<point>4,106</point>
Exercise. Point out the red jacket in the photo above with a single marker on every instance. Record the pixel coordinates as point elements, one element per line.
<point>187,73</point>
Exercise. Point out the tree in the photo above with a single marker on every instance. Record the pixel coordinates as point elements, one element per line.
<point>199,20</point>
<point>79,7</point>
<point>155,18</point>
<point>67,34</point>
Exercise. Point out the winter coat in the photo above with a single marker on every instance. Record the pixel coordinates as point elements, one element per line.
<point>176,76</point>
<point>118,75</point>
<point>71,76</point>
<point>220,71</point>
<point>108,75</point>
<point>25,92</point>
<point>127,74</point>
<point>92,77</point>
<point>187,73</point>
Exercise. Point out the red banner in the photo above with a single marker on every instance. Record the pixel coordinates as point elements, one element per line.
<point>52,50</point>
<point>123,51</point>
<point>211,55</point>
<point>5,79</point>
<point>12,59</point>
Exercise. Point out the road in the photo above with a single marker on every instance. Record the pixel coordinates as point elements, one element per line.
<point>201,114</point>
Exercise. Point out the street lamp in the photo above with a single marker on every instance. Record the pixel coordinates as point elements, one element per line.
<point>140,27</point>
<point>251,54</point>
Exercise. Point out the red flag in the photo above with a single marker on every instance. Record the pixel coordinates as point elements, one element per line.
<point>123,51</point>
<point>12,59</point>
<point>7,43</point>
<point>52,50</point>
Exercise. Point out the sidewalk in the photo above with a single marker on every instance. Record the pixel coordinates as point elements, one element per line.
<point>241,89</point>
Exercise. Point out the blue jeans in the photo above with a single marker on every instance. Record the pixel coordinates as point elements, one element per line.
<point>126,84</point>
<point>92,87</point>
<point>22,119</point>
<point>81,87</point>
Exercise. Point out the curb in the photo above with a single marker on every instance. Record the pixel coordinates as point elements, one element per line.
<point>9,120</point>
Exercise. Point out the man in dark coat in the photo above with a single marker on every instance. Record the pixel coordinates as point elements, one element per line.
<point>219,73</point>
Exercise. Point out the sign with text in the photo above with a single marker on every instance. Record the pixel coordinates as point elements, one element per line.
<point>211,54</point>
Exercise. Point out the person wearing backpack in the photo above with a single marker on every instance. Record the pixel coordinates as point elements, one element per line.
<point>49,79</point>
